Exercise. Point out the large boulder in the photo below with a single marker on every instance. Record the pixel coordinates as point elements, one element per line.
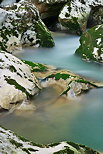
<point>75,14</point>
<point>17,83</point>
<point>91,44</point>
<point>21,25</point>
<point>11,143</point>
<point>48,8</point>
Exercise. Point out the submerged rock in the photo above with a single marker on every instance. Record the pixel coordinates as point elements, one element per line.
<point>21,25</point>
<point>67,83</point>
<point>74,15</point>
<point>16,81</point>
<point>72,84</point>
<point>11,143</point>
<point>91,44</point>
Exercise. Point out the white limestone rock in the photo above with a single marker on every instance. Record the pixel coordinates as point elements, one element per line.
<point>21,25</point>
<point>75,14</point>
<point>16,81</point>
<point>10,143</point>
<point>91,44</point>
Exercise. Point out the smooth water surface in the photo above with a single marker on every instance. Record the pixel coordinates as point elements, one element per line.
<point>63,55</point>
<point>80,121</point>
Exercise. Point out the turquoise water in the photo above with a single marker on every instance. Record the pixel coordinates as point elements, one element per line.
<point>62,55</point>
<point>80,121</point>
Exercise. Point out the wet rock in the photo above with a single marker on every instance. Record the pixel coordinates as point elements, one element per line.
<point>26,108</point>
<point>74,15</point>
<point>65,82</point>
<point>22,26</point>
<point>91,44</point>
<point>17,83</point>
<point>11,143</point>
<point>71,84</point>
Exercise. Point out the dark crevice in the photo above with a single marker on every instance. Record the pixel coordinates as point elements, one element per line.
<point>51,23</point>
<point>3,110</point>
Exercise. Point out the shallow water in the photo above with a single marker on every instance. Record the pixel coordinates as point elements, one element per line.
<point>79,121</point>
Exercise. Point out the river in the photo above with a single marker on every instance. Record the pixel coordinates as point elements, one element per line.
<point>80,121</point>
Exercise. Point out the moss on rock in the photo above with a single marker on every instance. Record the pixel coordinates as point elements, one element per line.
<point>16,81</point>
<point>36,67</point>
<point>70,84</point>
<point>43,35</point>
<point>91,44</point>
<point>73,84</point>
<point>21,26</point>
<point>75,14</point>
<point>15,144</point>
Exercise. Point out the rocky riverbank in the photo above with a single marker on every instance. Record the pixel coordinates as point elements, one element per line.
<point>21,25</point>
<point>11,143</point>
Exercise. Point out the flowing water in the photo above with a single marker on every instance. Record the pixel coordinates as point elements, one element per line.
<point>78,121</point>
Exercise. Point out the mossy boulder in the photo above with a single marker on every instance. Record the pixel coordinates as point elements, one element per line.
<point>91,44</point>
<point>11,143</point>
<point>22,26</point>
<point>75,14</point>
<point>17,83</point>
